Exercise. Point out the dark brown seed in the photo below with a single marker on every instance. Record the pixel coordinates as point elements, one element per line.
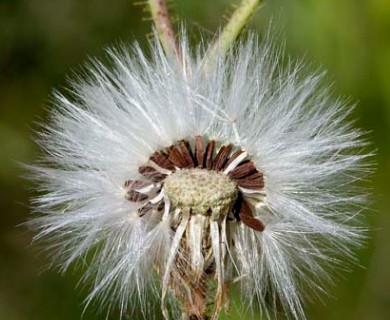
<point>161,159</point>
<point>242,170</point>
<point>221,157</point>
<point>199,151</point>
<point>256,175</point>
<point>175,157</point>
<point>208,161</point>
<point>246,216</point>
<point>151,173</point>
<point>186,153</point>
<point>135,196</point>
<point>234,156</point>
<point>250,183</point>
<point>132,194</point>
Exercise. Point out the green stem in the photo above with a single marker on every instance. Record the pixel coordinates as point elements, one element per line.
<point>230,32</point>
<point>162,22</point>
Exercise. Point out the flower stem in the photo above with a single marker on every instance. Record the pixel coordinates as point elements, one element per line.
<point>162,22</point>
<point>230,32</point>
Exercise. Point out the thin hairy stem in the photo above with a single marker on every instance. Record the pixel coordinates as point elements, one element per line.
<point>230,32</point>
<point>162,22</point>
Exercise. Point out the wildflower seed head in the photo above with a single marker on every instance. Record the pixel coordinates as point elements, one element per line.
<point>201,190</point>
<point>145,169</point>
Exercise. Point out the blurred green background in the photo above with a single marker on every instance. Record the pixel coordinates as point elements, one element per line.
<point>43,41</point>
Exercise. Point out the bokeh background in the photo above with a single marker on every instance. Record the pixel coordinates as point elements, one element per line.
<point>44,41</point>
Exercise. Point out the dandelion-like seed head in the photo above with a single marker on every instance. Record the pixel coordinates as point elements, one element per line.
<point>243,174</point>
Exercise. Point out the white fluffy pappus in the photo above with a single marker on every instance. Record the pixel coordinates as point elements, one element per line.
<point>120,153</point>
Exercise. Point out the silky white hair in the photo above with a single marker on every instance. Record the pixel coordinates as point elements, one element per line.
<point>283,115</point>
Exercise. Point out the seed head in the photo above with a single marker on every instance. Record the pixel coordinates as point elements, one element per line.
<point>245,175</point>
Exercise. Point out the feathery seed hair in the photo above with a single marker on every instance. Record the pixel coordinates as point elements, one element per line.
<point>244,174</point>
